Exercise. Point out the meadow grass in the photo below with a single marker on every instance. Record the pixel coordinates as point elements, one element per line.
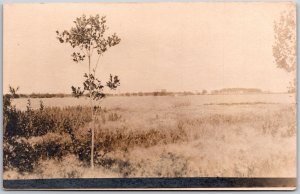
<point>179,140</point>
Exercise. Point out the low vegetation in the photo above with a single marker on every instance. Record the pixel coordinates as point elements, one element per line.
<point>247,140</point>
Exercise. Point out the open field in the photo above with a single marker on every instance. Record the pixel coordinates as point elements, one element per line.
<point>162,102</point>
<point>186,136</point>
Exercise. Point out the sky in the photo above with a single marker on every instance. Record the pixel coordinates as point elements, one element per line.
<point>172,46</point>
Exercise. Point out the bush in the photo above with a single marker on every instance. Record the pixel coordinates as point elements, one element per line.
<point>19,155</point>
<point>19,126</point>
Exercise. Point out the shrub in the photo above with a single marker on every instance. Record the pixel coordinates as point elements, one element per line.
<point>19,155</point>
<point>19,126</point>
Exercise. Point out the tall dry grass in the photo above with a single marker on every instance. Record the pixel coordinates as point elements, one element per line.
<point>240,140</point>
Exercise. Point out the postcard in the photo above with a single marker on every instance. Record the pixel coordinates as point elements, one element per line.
<point>149,96</point>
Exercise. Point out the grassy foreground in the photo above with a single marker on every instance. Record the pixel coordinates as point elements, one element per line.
<point>178,140</point>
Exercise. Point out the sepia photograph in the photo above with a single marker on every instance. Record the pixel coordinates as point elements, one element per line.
<point>185,95</point>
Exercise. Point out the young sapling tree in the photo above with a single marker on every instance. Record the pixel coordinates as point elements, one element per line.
<point>88,38</point>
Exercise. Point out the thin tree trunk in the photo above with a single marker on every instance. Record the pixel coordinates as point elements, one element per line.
<point>93,129</point>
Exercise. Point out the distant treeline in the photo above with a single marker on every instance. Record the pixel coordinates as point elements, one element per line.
<point>60,95</point>
<point>156,93</point>
<point>162,93</point>
<point>237,91</point>
<point>38,95</point>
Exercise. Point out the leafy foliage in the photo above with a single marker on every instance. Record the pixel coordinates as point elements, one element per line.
<point>284,48</point>
<point>13,91</point>
<point>19,155</point>
<point>95,86</point>
<point>113,82</point>
<point>20,126</point>
<point>88,35</point>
